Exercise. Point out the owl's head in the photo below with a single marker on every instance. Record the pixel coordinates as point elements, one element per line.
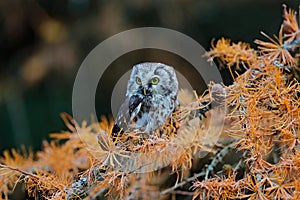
<point>152,78</point>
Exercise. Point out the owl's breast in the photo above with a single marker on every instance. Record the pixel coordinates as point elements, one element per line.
<point>151,112</point>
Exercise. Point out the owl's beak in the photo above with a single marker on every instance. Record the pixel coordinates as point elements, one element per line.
<point>145,90</point>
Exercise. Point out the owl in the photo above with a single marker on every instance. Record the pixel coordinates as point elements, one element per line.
<point>151,97</point>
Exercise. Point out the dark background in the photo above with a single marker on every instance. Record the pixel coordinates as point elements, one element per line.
<point>44,42</point>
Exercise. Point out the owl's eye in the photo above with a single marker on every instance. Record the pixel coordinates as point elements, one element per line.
<point>138,81</point>
<point>154,80</point>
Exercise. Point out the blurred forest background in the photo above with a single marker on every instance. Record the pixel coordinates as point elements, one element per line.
<point>43,43</point>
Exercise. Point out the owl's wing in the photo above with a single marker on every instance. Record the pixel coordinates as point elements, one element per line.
<point>122,120</point>
<point>127,113</point>
<point>135,104</point>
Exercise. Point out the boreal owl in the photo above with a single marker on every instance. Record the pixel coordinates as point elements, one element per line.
<point>151,97</point>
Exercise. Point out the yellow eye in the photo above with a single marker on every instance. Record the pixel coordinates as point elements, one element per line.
<point>155,80</point>
<point>138,81</point>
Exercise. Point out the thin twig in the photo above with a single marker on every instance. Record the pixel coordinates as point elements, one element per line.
<point>240,161</point>
<point>133,191</point>
<point>181,192</point>
<point>20,171</point>
<point>218,158</point>
<point>97,194</point>
<point>182,183</point>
